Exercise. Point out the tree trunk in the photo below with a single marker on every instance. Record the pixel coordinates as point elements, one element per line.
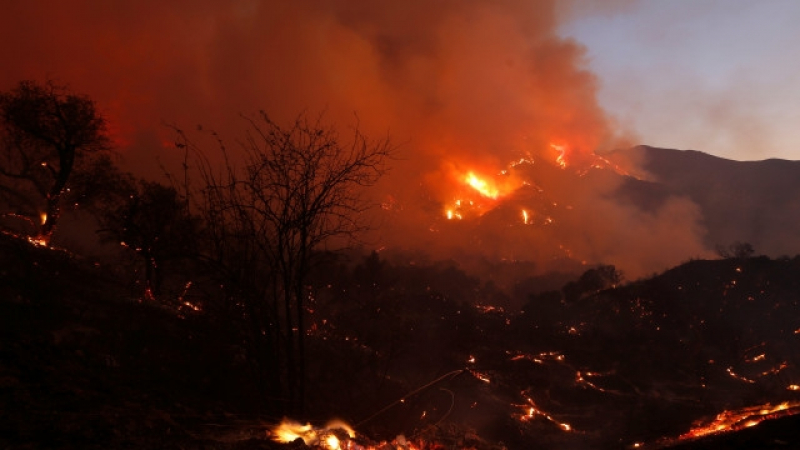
<point>66,161</point>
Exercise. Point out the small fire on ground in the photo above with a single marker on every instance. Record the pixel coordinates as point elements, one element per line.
<point>335,435</point>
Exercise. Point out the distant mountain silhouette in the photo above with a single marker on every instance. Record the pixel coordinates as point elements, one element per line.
<point>747,201</point>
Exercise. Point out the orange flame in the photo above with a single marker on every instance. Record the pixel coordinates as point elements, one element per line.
<point>475,192</point>
<point>289,431</point>
<point>562,151</point>
<point>484,186</point>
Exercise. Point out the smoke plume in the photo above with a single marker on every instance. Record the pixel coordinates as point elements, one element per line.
<point>459,85</point>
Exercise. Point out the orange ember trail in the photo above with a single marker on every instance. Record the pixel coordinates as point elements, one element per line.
<point>742,418</point>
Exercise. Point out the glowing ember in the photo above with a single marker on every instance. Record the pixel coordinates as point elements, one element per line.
<point>738,377</point>
<point>38,241</point>
<point>532,411</point>
<point>481,376</point>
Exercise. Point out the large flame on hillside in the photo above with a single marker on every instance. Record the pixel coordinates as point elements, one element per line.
<point>477,193</point>
<point>484,186</point>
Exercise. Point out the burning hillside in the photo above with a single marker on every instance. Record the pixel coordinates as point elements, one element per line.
<point>229,320</point>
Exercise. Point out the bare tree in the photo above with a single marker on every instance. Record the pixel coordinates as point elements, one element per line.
<point>44,131</point>
<point>297,188</point>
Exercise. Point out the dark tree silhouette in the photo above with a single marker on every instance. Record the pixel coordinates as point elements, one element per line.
<point>737,250</point>
<point>297,188</point>
<point>153,221</point>
<point>592,281</point>
<point>45,131</point>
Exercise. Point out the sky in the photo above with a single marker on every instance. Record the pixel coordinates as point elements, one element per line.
<point>718,76</point>
<point>461,86</point>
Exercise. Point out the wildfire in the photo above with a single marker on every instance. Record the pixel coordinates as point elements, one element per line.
<point>453,214</point>
<point>742,418</point>
<point>481,188</point>
<point>484,186</point>
<point>39,241</point>
<point>336,435</point>
<point>325,438</point>
<point>562,151</point>
<point>476,193</point>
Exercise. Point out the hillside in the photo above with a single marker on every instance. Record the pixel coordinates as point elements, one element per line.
<point>642,209</point>
<point>747,201</point>
<point>86,365</point>
<point>417,350</point>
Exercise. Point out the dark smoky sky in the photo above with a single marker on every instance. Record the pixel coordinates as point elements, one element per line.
<point>461,80</point>
<point>457,84</point>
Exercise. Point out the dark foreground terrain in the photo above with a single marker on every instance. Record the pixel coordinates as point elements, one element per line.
<point>86,363</point>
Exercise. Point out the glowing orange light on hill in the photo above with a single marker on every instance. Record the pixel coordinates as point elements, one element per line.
<point>475,193</point>
<point>453,214</point>
<point>562,151</point>
<point>742,418</point>
<point>484,187</point>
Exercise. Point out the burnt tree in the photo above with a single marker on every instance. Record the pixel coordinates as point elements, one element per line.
<point>297,187</point>
<point>45,131</point>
